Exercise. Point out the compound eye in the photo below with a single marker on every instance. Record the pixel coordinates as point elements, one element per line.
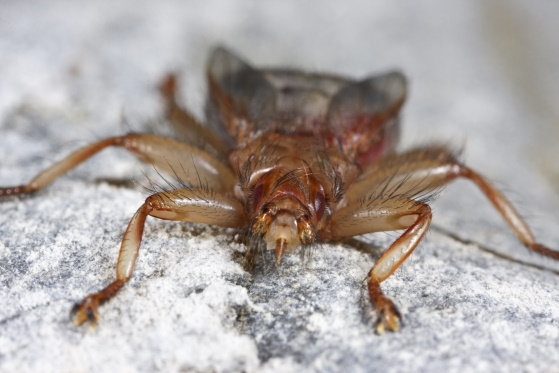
<point>257,196</point>
<point>319,205</point>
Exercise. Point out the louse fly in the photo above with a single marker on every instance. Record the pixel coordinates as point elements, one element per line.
<point>290,159</point>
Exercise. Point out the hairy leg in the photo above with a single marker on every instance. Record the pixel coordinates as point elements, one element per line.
<point>377,215</point>
<point>193,205</point>
<point>424,170</point>
<point>186,125</point>
<point>185,162</point>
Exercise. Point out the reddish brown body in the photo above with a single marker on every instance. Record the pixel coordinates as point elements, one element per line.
<point>291,159</point>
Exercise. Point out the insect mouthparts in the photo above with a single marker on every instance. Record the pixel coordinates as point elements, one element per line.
<point>282,234</point>
<point>281,244</point>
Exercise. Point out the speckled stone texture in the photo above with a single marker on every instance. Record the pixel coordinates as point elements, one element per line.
<point>483,77</point>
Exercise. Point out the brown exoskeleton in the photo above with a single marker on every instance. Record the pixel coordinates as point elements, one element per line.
<point>291,159</point>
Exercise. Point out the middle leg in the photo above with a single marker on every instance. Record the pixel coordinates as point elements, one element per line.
<point>419,172</point>
<point>188,163</point>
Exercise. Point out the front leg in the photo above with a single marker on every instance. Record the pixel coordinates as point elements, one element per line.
<point>385,214</point>
<point>87,309</point>
<point>193,205</point>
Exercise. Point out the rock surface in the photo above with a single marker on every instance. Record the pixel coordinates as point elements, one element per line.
<point>473,299</point>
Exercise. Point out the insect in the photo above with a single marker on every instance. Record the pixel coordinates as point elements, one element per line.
<point>290,159</point>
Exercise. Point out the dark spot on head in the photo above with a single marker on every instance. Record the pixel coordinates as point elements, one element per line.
<point>257,195</point>
<point>319,205</point>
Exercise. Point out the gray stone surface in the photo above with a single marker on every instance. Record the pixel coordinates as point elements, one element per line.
<point>484,75</point>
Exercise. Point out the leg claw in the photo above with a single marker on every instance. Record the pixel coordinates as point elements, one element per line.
<point>388,316</point>
<point>86,311</point>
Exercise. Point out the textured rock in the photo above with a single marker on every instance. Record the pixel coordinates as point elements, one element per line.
<point>479,71</point>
